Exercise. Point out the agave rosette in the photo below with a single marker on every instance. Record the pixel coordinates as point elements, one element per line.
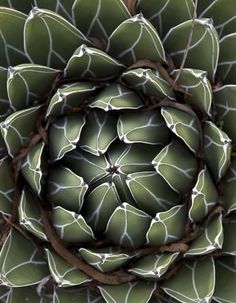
<point>117,167</point>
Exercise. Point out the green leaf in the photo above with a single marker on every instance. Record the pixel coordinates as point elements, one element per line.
<point>148,128</point>
<point>104,259</point>
<point>224,100</point>
<point>99,205</point>
<point>165,14</point>
<point>229,245</point>
<point>70,96</point>
<point>91,167</point>
<point>64,134</point>
<point>99,21</point>
<point>49,32</point>
<point>117,97</point>
<point>29,215</point>
<point>27,83</point>
<point>64,274</point>
<point>135,39</point>
<point>20,262</point>
<point>6,186</point>
<point>177,165</point>
<point>122,226</point>
<point>197,87</point>
<point>149,82</point>
<point>167,227</point>
<point>151,192</point>
<point>188,285</point>
<point>23,6</point>
<point>11,37</point>
<point>17,127</point>
<point>229,189</point>
<point>131,292</point>
<point>130,158</point>
<point>217,148</point>
<point>98,133</point>
<point>223,13</point>
<point>225,280</point>
<point>61,7</point>
<point>83,295</point>
<point>153,266</point>
<point>70,226</point>
<point>204,196</point>
<point>65,188</point>
<point>210,240</point>
<point>33,168</point>
<point>92,63</point>
<point>227,59</point>
<point>183,125</point>
<point>24,294</point>
<point>204,50</point>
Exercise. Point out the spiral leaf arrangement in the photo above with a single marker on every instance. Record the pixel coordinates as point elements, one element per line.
<point>117,151</point>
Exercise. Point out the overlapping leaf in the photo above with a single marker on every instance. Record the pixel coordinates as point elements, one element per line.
<point>229,193</point>
<point>217,148</point>
<point>128,292</point>
<point>167,227</point>
<point>85,295</point>
<point>64,134</point>
<point>44,27</point>
<point>204,196</point>
<point>188,285</point>
<point>165,14</point>
<point>135,39</point>
<point>148,128</point>
<point>11,41</point>
<point>226,109</point>
<point>153,266</point>
<point>204,50</point>
<point>100,204</point>
<point>117,97</point>
<point>27,83</point>
<point>67,189</point>
<point>20,262</point>
<point>33,168</point>
<point>29,215</point>
<point>177,165</point>
<point>122,226</point>
<point>63,273</point>
<point>91,63</point>
<point>149,82</point>
<point>197,87</point>
<point>17,127</point>
<point>99,21</point>
<point>104,259</point>
<point>71,226</point>
<point>151,192</point>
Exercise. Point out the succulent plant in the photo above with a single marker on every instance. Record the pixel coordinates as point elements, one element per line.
<point>117,151</point>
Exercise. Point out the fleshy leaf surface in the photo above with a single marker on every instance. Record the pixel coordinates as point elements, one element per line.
<point>91,63</point>
<point>66,188</point>
<point>167,227</point>
<point>63,273</point>
<point>217,148</point>
<point>204,196</point>
<point>188,285</point>
<point>48,29</point>
<point>71,226</point>
<point>99,21</point>
<point>20,262</point>
<point>135,39</point>
<point>122,226</point>
<point>177,165</point>
<point>64,134</point>
<point>131,292</point>
<point>204,50</point>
